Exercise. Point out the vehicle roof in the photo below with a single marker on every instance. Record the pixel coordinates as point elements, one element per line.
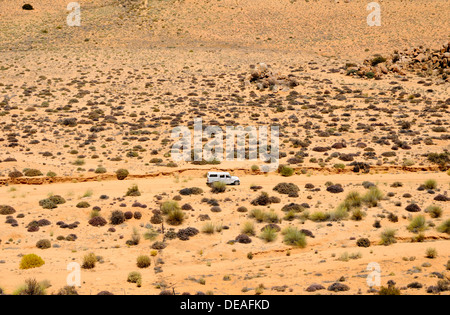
<point>218,173</point>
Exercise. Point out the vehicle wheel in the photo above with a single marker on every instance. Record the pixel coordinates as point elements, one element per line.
<point>237,183</point>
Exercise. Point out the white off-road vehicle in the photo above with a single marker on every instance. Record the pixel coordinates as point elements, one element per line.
<point>222,177</point>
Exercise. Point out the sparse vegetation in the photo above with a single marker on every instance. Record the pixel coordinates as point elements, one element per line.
<point>89,261</point>
<point>218,187</point>
<point>143,261</point>
<point>122,174</point>
<point>269,234</point>
<point>294,237</point>
<point>388,237</point>
<point>417,224</point>
<point>31,261</point>
<point>445,227</point>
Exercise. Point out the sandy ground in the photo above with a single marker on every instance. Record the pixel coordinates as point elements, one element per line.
<point>130,74</point>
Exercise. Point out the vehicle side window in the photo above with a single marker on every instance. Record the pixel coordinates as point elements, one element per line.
<point>213,175</point>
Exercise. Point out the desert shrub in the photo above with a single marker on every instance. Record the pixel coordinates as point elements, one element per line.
<point>353,199</point>
<point>43,244</point>
<point>243,239</point>
<point>242,209</point>
<point>117,217</point>
<point>175,217</point>
<point>191,191</point>
<point>444,227</point>
<point>408,162</point>
<point>431,253</point>
<point>57,199</point>
<point>339,214</point>
<point>31,287</point>
<point>287,189</point>
<point>31,261</point>
<point>133,191</point>
<point>97,221</point>
<point>285,171</point>
<point>413,207</point>
<point>441,197</point>
<point>32,173</point>
<point>185,191</point>
<point>363,242</point>
<point>95,212</point>
<point>15,174</point>
<point>390,290</point>
<point>392,217</point>
<point>100,170</point>
<point>257,214</point>
<point>370,75</point>
<point>79,162</point>
<point>441,159</point>
<point>376,60</point>
<point>293,207</point>
<point>294,237</point>
<point>430,184</point>
<point>271,217</point>
<point>208,228</point>
<point>89,261</point>
<point>248,228</point>
<point>269,234</point>
<point>218,187</point>
<point>67,290</point>
<point>137,215</point>
<point>417,224</point>
<point>134,277</point>
<point>397,184</point>
<point>143,261</point>
<point>443,285</point>
<point>128,215</point>
<point>122,174</point>
<point>255,168</point>
<point>434,211</point>
<point>169,206</point>
<point>47,204</point>
<point>262,216</point>
<point>262,200</point>
<point>319,216</point>
<point>439,129</point>
<point>274,199</point>
<point>6,210</point>
<point>135,238</point>
<point>27,7</point>
<point>83,205</point>
<point>373,196</point>
<point>335,189</point>
<point>419,238</point>
<point>156,219</point>
<point>290,215</point>
<point>388,237</point>
<point>357,214</point>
